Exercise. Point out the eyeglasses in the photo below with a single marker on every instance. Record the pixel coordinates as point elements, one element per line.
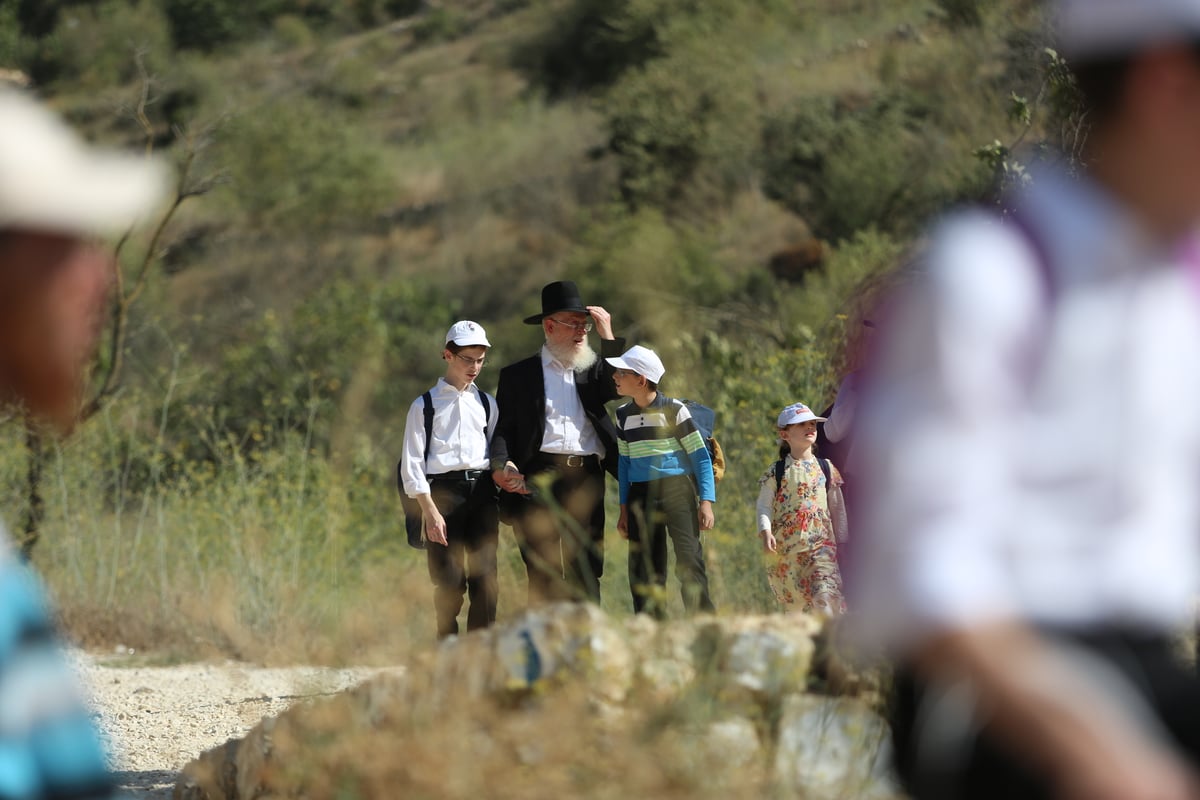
<point>471,362</point>
<point>624,372</point>
<point>579,326</point>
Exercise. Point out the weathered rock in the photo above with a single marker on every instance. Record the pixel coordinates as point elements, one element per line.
<point>832,747</point>
<point>565,701</point>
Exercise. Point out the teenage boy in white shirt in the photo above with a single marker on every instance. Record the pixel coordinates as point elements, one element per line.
<point>448,475</point>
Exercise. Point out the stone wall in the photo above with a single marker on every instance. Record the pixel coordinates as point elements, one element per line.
<point>567,702</point>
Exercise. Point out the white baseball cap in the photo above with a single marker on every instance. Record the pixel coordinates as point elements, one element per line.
<point>642,360</point>
<point>797,412</point>
<point>1092,29</point>
<point>465,333</point>
<point>51,180</point>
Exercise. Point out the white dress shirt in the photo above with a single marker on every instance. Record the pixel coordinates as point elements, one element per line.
<point>568,429</point>
<point>1032,446</point>
<point>460,440</point>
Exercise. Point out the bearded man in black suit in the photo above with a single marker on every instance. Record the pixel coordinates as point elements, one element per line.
<point>554,441</point>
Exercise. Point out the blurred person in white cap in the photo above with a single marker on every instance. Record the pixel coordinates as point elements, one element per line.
<point>666,483</point>
<point>1030,536</point>
<point>801,518</point>
<point>445,468</point>
<point>57,194</point>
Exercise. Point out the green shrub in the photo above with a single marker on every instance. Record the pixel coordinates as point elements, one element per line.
<point>591,43</point>
<point>845,168</point>
<point>208,24</point>
<point>291,31</point>
<point>15,48</point>
<point>961,13</point>
<point>100,46</point>
<point>584,45</point>
<point>294,373</point>
<point>682,125</point>
<point>296,167</point>
<point>440,24</point>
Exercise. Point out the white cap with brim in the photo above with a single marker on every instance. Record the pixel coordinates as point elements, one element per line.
<point>642,360</point>
<point>1089,30</point>
<point>795,414</point>
<point>466,333</point>
<point>51,180</point>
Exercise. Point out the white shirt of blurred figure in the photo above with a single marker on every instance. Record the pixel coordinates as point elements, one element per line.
<point>1033,432</point>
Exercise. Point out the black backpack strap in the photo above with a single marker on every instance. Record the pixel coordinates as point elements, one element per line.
<point>487,410</point>
<point>780,468</point>
<point>428,400</point>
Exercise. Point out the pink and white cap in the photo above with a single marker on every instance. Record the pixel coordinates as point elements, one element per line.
<point>796,413</point>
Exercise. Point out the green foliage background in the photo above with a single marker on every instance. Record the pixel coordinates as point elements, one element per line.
<point>385,167</point>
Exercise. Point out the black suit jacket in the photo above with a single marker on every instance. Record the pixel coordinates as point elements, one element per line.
<point>521,397</point>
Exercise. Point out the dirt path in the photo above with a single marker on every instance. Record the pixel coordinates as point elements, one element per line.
<point>157,719</point>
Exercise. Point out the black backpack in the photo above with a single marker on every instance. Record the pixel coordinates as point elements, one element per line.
<point>413,518</point>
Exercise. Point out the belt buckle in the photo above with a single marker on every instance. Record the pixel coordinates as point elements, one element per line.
<point>574,461</point>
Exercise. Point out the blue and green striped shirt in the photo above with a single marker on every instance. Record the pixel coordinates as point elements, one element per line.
<point>659,441</point>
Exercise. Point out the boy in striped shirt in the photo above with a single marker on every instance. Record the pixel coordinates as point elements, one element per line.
<point>663,467</point>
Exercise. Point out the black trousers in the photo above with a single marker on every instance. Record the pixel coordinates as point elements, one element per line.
<point>936,766</point>
<point>654,510</point>
<point>466,565</point>
<point>560,528</point>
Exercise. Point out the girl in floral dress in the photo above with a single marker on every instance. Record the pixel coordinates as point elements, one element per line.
<point>801,519</point>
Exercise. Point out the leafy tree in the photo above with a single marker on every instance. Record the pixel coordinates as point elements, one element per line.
<point>591,43</point>
<point>296,167</point>
<point>680,124</point>
<point>844,166</point>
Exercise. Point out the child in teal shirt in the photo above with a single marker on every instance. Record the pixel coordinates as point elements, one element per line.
<point>667,487</point>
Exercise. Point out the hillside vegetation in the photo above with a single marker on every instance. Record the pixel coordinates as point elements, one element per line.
<point>725,176</point>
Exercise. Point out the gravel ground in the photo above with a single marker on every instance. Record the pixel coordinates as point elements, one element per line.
<point>157,719</point>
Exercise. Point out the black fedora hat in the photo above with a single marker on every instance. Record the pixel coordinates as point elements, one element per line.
<point>558,296</point>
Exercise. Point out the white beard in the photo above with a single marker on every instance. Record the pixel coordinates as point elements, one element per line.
<point>576,360</point>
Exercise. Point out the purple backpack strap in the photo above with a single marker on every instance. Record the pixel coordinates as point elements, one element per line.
<point>1041,254</point>
<point>1032,360</point>
<point>1189,255</point>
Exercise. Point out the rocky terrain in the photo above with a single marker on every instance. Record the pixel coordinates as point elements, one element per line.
<point>157,719</point>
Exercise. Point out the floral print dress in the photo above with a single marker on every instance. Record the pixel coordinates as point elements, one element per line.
<point>803,572</point>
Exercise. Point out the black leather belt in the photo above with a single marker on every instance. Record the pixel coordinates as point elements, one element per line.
<point>564,461</point>
<point>459,475</point>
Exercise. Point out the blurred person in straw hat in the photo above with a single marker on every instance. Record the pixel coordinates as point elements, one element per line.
<point>1030,438</point>
<point>56,194</point>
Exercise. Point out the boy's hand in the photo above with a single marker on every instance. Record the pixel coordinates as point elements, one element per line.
<point>623,524</point>
<point>435,526</point>
<point>707,518</point>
